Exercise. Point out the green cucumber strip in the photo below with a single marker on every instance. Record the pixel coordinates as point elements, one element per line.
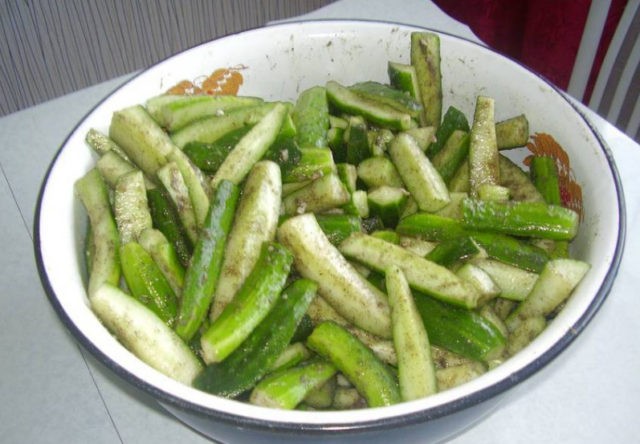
<point>493,192</point>
<point>416,371</point>
<point>177,114</point>
<point>387,235</point>
<point>424,136</point>
<point>112,166</point>
<point>165,218</point>
<point>105,262</point>
<point>285,152</point>
<point>144,334</point>
<point>531,219</point>
<point>312,163</point>
<point>379,171</point>
<point>387,203</point>
<point>387,95</point>
<point>303,330</point>
<point>358,205</point>
<point>337,143</point>
<point>147,283</point>
<point>403,77</point>
<point>481,280</point>
<point>425,58</point>
<point>518,182</point>
<point>370,376</point>
<point>311,118</point>
<point>339,283</point>
<point>88,249</point>
<point>145,143</point>
<point>258,353</point>
<point>379,138</point>
<point>338,227</point>
<point>210,129</point>
<point>287,388</point>
<point>544,175</point>
<point>288,188</point>
<point>102,144</point>
<point>130,206</point>
<point>348,174</point>
<point>255,222</point>
<point>417,246</point>
<point>453,120</point>
<point>418,174</point>
<point>411,207</point>
<point>195,182</point>
<point>555,284</point>
<point>357,143</point>
<point>453,154</point>
<point>512,251</point>
<point>431,227</point>
<point>294,354</point>
<point>250,305</point>
<point>320,195</point>
<point>204,268</point>
<point>209,156</point>
<point>321,397</point>
<point>512,133</point>
<point>164,255</point>
<point>459,330</point>
<point>155,103</point>
<point>450,251</point>
<point>372,111</point>
<point>422,274</point>
<point>251,147</point>
<point>174,183</point>
<point>459,183</point>
<point>514,283</point>
<point>484,163</point>
<point>488,312</point>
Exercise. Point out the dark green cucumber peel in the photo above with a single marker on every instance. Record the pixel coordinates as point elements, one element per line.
<point>204,268</point>
<point>529,219</point>
<point>165,218</point>
<point>147,283</point>
<point>373,379</point>
<point>459,330</point>
<point>253,359</point>
<point>338,227</point>
<point>453,120</point>
<point>498,246</point>
<point>209,156</point>
<point>250,305</point>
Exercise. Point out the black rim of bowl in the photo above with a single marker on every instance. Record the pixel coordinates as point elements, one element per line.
<point>408,419</point>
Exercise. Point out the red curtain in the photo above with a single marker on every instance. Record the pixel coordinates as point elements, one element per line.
<point>542,34</point>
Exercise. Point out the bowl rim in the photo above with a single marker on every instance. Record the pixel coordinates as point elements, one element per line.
<point>373,424</point>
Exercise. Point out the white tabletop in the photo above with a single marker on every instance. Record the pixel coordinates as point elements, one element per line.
<point>54,391</point>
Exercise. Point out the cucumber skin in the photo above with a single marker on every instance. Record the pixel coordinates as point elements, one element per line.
<point>147,283</point>
<point>250,305</point>
<point>459,330</point>
<point>165,219</point>
<point>453,120</point>
<point>204,268</point>
<point>373,379</point>
<point>253,359</point>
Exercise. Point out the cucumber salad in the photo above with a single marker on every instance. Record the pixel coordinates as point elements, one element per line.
<point>358,247</point>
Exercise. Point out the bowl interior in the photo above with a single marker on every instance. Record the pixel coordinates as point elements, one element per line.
<point>277,64</point>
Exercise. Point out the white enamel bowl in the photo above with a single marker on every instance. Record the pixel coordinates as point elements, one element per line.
<point>279,62</point>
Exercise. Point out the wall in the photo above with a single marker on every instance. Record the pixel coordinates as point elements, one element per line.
<point>49,48</point>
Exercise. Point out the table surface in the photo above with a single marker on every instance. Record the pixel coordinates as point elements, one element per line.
<point>54,391</point>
